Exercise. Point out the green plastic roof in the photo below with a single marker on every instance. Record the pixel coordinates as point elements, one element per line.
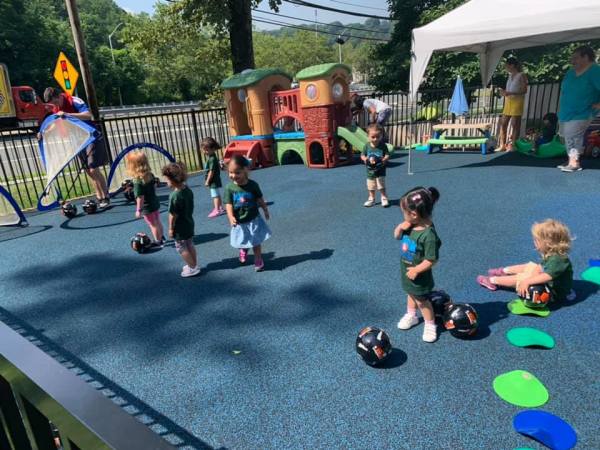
<point>248,78</point>
<point>320,70</point>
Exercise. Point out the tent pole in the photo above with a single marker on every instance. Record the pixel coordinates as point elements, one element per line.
<point>411,136</point>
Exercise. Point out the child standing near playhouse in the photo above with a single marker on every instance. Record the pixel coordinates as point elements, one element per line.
<point>144,189</point>
<point>375,156</point>
<point>181,220</point>
<point>212,177</point>
<point>420,246</point>
<point>242,198</point>
<point>552,239</point>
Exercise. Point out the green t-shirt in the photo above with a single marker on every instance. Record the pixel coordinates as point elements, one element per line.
<point>148,190</point>
<point>380,151</point>
<point>561,271</point>
<point>244,200</point>
<point>415,247</point>
<point>212,166</point>
<point>181,205</point>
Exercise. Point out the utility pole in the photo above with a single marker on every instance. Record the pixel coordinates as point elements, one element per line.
<point>86,73</point>
<point>316,25</point>
<point>113,57</point>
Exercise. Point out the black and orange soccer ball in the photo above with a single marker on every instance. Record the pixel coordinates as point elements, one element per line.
<point>440,301</point>
<point>127,187</point>
<point>140,243</point>
<point>373,345</point>
<point>538,296</point>
<point>90,206</point>
<point>69,210</point>
<point>461,320</point>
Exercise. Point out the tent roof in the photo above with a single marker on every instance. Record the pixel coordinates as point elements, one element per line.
<point>490,27</point>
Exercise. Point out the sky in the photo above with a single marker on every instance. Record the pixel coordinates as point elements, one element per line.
<point>373,7</point>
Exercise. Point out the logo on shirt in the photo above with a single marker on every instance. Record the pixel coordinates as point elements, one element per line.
<point>243,200</point>
<point>408,248</point>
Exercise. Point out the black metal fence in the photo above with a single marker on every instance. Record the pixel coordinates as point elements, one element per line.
<point>180,132</point>
<point>45,406</point>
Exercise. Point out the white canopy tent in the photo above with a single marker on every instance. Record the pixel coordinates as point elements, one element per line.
<point>490,27</point>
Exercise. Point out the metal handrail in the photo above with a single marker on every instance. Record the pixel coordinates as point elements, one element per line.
<point>43,405</point>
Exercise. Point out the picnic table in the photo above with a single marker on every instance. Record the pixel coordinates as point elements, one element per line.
<point>440,139</point>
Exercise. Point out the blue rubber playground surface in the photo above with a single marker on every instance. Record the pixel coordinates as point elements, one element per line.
<point>238,360</point>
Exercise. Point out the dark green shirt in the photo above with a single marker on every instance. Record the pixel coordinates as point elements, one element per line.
<point>561,271</point>
<point>212,166</point>
<point>380,151</point>
<point>148,190</point>
<point>417,246</point>
<point>181,205</point>
<point>244,200</point>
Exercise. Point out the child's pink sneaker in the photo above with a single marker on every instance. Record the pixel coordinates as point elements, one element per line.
<point>486,283</point>
<point>243,255</point>
<point>259,265</point>
<point>214,213</point>
<point>222,211</point>
<point>499,272</point>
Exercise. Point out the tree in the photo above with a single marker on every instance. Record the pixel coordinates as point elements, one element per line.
<point>230,16</point>
<point>292,53</point>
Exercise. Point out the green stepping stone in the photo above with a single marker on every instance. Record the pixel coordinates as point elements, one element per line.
<point>591,274</point>
<point>529,337</point>
<point>521,388</point>
<point>518,307</point>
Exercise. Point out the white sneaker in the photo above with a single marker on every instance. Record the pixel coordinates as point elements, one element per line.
<point>369,203</point>
<point>570,168</point>
<point>561,166</point>
<point>190,271</point>
<point>385,202</point>
<point>408,321</point>
<point>430,333</point>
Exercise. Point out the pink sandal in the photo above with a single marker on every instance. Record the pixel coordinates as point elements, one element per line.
<point>486,283</point>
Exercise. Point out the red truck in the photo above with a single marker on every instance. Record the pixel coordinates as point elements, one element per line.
<point>20,105</point>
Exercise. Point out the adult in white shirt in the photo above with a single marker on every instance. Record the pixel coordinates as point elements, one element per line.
<point>379,112</point>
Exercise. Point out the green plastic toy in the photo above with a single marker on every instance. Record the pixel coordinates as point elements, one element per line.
<point>552,149</point>
<point>518,307</point>
<point>592,274</point>
<point>521,388</point>
<point>529,337</point>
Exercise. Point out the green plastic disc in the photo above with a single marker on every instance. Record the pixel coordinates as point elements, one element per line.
<point>521,388</point>
<point>591,274</point>
<point>529,337</point>
<point>518,307</point>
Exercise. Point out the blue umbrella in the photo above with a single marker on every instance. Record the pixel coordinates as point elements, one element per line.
<point>458,104</point>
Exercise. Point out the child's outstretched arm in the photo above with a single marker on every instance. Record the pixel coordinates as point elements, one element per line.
<point>139,202</point>
<point>172,218</point>
<point>404,226</point>
<point>539,278</point>
<point>230,215</point>
<point>263,205</point>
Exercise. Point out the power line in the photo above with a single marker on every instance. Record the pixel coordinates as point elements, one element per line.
<point>298,27</point>
<point>322,23</point>
<point>327,8</point>
<point>360,6</point>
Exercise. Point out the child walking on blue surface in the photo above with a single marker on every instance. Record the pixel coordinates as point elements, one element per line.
<point>212,177</point>
<point>144,189</point>
<point>242,199</point>
<point>375,156</point>
<point>552,239</point>
<point>420,246</point>
<point>181,220</point>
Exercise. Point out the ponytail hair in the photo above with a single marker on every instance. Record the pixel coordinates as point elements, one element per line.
<point>420,200</point>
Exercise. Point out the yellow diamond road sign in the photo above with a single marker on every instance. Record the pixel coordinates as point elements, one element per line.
<point>65,74</point>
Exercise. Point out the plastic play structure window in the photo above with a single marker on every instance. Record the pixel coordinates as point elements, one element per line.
<point>337,90</point>
<point>312,92</point>
<point>241,95</point>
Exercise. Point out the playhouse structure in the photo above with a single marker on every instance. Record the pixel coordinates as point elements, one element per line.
<point>271,123</point>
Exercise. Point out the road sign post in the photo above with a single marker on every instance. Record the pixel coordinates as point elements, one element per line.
<point>65,74</point>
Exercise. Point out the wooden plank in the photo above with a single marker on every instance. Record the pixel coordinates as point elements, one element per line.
<point>465,141</point>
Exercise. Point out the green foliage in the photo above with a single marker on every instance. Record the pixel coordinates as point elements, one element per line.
<point>292,53</point>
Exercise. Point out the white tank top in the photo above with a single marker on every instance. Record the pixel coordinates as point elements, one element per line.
<point>514,82</point>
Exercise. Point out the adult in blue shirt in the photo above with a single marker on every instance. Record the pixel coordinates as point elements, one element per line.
<point>96,154</point>
<point>579,103</point>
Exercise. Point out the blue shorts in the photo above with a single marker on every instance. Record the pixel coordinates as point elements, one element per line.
<point>215,192</point>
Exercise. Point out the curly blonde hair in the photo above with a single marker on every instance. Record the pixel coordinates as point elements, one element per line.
<point>138,166</point>
<point>552,237</point>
